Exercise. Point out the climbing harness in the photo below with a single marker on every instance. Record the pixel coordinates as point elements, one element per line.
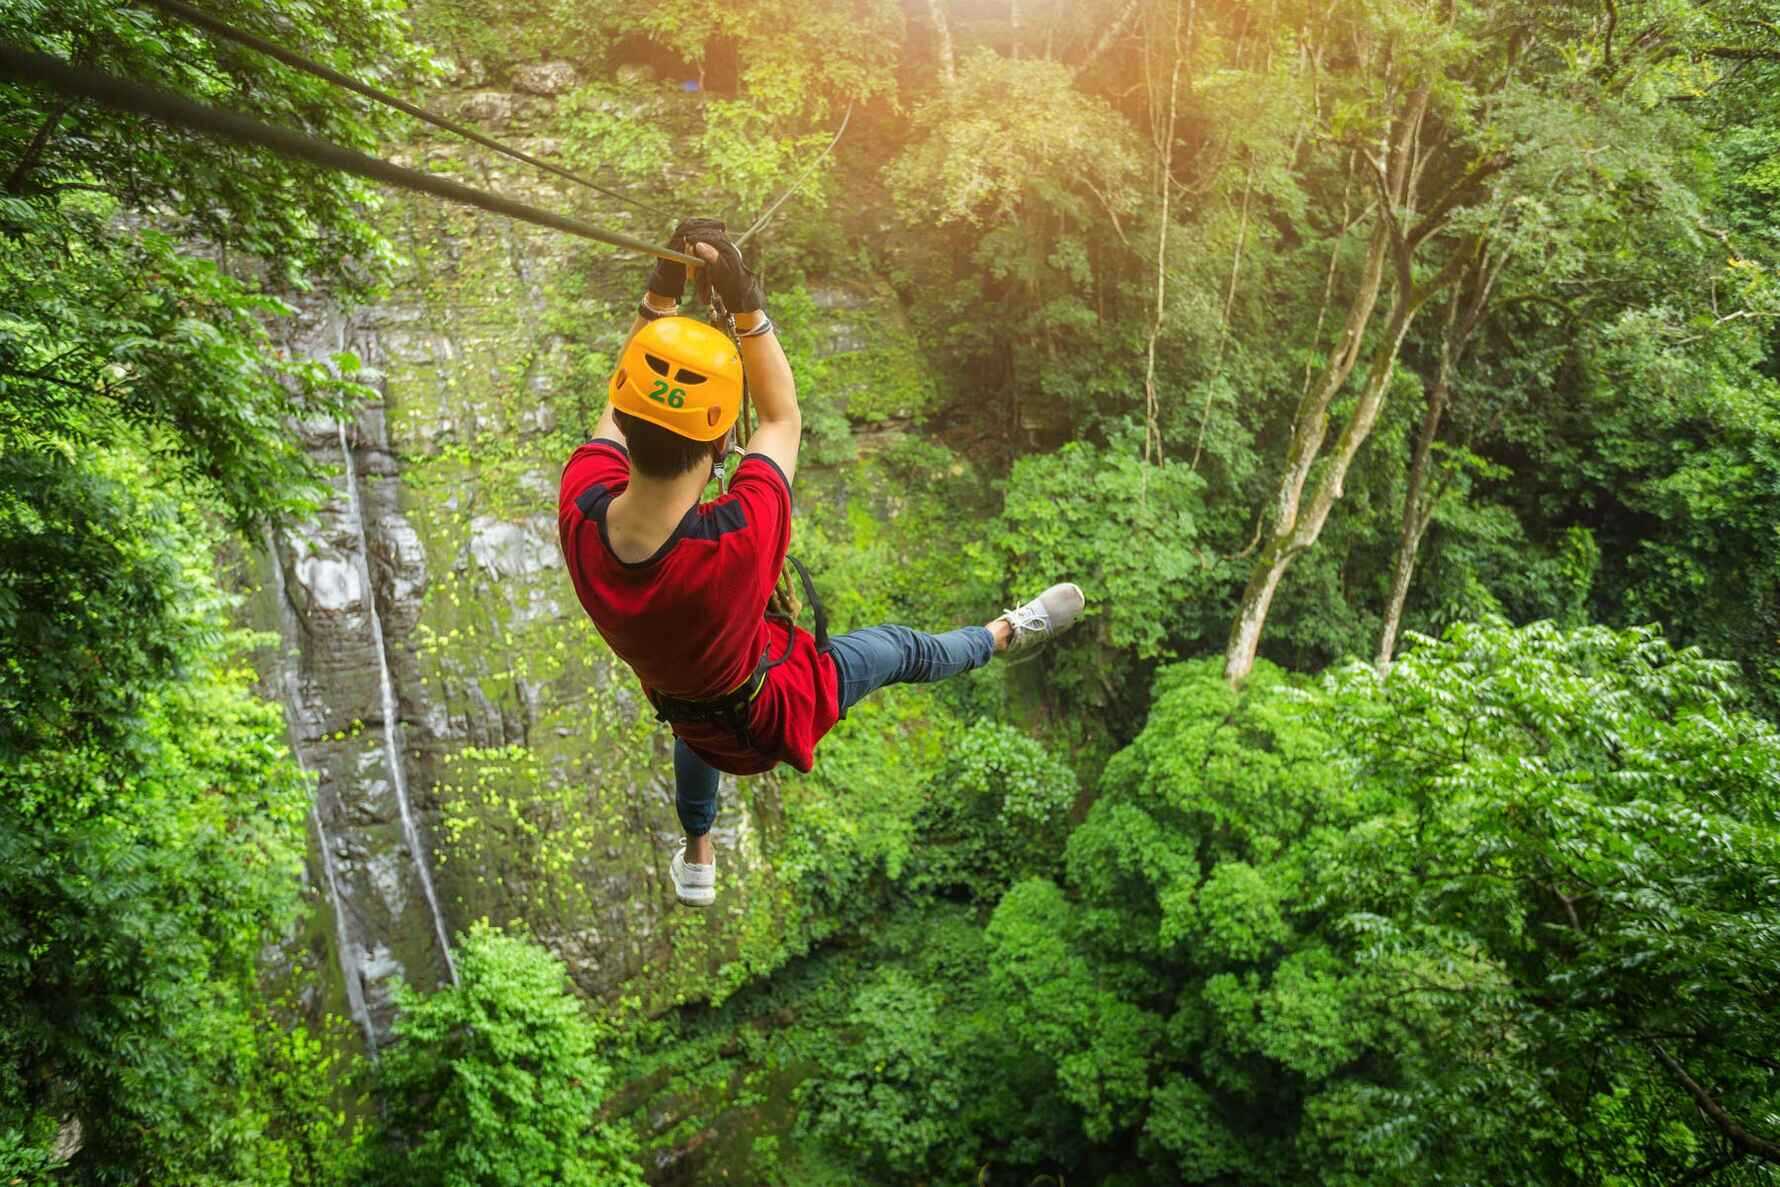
<point>733,709</point>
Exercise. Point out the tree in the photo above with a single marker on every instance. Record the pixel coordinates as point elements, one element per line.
<point>152,823</point>
<point>498,1080</point>
<point>1460,921</point>
<point>1487,114</point>
<point>88,350</point>
<point>1132,532</point>
<point>1403,131</point>
<point>1630,240</point>
<point>151,840</point>
<point>1021,172</point>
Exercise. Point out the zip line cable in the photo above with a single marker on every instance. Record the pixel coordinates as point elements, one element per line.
<point>75,82</point>
<point>797,184</point>
<point>297,61</point>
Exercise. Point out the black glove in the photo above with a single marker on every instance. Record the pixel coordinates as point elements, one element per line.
<point>738,287</point>
<point>669,277</point>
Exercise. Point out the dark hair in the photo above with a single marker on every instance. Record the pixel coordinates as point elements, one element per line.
<point>659,453</point>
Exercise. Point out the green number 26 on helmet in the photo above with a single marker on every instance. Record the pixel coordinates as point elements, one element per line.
<point>680,374</point>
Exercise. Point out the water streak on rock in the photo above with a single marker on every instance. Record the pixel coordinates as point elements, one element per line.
<point>290,638</point>
<point>392,748</point>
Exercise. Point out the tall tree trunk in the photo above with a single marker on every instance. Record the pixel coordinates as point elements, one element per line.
<point>1217,361</point>
<point>1152,419</point>
<point>942,32</point>
<point>1423,494</point>
<point>1114,29</point>
<point>1297,527</point>
<point>1418,512</point>
<point>1293,525</point>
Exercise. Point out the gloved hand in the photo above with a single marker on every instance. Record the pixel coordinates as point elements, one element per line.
<point>725,272</point>
<point>669,277</point>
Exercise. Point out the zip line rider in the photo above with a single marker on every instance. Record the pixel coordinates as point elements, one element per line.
<point>679,588</point>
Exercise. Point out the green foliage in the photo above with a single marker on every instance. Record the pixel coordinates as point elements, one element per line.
<point>116,334</point>
<point>94,604</point>
<point>1127,530</point>
<point>1462,923</point>
<point>498,1079</point>
<point>1010,135</point>
<point>302,1076</point>
<point>151,840</point>
<point>618,127</point>
<point>113,329</point>
<point>879,1060</point>
<point>151,835</point>
<point>994,813</point>
<point>1456,921</point>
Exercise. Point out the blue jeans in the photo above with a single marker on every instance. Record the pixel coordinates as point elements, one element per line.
<point>865,661</point>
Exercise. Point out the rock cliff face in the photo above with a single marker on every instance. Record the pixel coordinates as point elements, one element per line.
<point>478,751</point>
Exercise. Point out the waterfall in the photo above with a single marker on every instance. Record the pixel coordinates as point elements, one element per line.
<point>343,944</point>
<point>391,726</point>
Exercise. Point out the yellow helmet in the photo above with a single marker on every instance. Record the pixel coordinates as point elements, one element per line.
<point>680,374</point>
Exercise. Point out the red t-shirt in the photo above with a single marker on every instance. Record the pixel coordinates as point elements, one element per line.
<point>691,620</point>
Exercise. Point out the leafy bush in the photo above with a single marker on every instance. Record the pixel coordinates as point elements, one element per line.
<point>1496,917</point>
<point>920,1076</point>
<point>498,1079</point>
<point>997,811</point>
<point>151,841</point>
<point>1129,534</point>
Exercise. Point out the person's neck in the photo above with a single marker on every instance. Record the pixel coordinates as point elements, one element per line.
<point>639,521</point>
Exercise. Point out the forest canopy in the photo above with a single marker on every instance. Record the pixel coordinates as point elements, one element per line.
<point>1401,379</point>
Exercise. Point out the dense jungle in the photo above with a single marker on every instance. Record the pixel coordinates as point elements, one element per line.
<point>1400,379</point>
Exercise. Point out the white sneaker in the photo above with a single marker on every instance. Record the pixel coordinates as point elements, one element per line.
<point>1044,617</point>
<point>694,885</point>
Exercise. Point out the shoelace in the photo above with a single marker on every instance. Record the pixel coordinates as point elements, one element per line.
<point>1029,619</point>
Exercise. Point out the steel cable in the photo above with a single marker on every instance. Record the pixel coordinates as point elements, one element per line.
<point>297,61</point>
<point>30,67</point>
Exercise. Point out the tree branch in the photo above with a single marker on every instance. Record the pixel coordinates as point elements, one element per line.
<point>16,180</point>
<point>1400,249</point>
<point>1741,53</point>
<point>1455,193</point>
<point>1700,1174</point>
<point>1449,272</point>
<point>1748,1143</point>
<point>1107,36</point>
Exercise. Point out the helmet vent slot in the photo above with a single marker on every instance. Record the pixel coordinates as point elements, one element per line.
<point>685,376</point>
<point>621,377</point>
<point>657,365</point>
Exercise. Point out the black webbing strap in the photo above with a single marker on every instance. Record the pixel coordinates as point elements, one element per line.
<point>815,603</point>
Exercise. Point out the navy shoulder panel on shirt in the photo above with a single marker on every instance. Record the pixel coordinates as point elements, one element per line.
<point>718,520</point>
<point>592,501</point>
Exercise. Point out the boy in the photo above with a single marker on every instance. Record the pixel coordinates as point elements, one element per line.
<point>679,587</point>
